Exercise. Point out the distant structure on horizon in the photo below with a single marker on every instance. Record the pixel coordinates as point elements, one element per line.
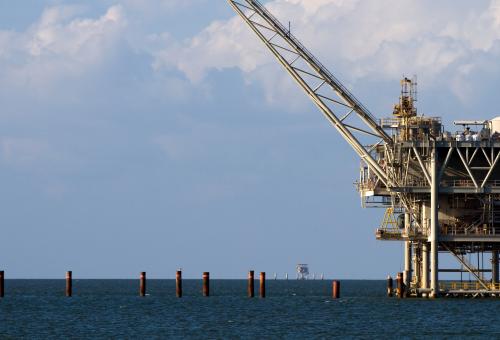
<point>302,271</point>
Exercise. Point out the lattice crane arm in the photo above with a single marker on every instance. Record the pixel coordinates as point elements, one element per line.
<point>333,99</point>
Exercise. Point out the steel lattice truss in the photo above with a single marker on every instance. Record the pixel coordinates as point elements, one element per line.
<point>334,100</point>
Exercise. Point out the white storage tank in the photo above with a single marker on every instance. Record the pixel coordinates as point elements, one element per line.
<point>495,125</point>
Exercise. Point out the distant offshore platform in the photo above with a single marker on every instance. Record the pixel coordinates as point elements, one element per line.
<point>303,272</point>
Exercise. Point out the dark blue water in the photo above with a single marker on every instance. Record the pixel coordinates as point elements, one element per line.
<point>292,309</point>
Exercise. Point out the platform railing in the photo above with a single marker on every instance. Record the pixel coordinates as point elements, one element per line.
<point>466,285</point>
<point>459,183</point>
<point>388,233</point>
<point>480,230</point>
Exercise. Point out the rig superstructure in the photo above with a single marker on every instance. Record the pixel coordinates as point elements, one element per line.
<point>441,190</point>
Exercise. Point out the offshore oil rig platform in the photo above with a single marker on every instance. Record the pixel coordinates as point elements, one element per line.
<point>440,189</point>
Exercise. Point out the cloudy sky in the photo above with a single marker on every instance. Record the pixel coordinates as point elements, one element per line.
<point>151,135</point>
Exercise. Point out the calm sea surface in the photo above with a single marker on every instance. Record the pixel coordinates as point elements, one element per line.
<point>292,309</point>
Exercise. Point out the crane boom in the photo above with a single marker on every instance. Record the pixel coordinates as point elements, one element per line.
<point>333,99</point>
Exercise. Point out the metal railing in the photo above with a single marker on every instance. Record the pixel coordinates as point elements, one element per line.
<point>388,233</point>
<point>449,227</point>
<point>369,185</point>
<point>466,285</point>
<point>459,183</point>
<point>444,231</point>
<point>466,183</point>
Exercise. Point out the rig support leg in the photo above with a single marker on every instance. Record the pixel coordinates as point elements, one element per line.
<point>407,271</point>
<point>407,255</point>
<point>494,266</point>
<point>434,239</point>
<point>417,266</point>
<point>425,265</point>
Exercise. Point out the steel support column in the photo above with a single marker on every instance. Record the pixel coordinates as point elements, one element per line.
<point>407,271</point>
<point>407,253</point>
<point>416,273</point>
<point>434,239</point>
<point>425,265</point>
<point>494,266</point>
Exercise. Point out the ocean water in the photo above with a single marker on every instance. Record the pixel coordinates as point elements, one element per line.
<point>292,309</point>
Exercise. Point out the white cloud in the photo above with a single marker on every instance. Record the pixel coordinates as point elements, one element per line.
<point>58,45</point>
<point>78,38</point>
<point>223,44</point>
<point>441,42</point>
<point>153,7</point>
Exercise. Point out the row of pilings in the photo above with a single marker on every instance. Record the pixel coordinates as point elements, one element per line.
<point>178,284</point>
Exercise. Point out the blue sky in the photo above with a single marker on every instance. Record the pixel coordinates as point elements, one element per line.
<point>151,135</point>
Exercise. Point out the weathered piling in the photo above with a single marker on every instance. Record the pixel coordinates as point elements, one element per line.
<point>142,284</point>
<point>400,286</point>
<point>178,284</point>
<point>206,284</point>
<point>390,284</point>
<point>336,289</point>
<point>2,283</point>
<point>69,283</point>
<point>251,284</point>
<point>262,284</point>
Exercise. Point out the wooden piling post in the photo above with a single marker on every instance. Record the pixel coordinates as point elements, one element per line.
<point>178,284</point>
<point>206,284</point>
<point>400,289</point>
<point>142,284</point>
<point>262,284</point>
<point>69,283</point>
<point>336,289</point>
<point>390,285</point>
<point>251,284</point>
<point>2,283</point>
